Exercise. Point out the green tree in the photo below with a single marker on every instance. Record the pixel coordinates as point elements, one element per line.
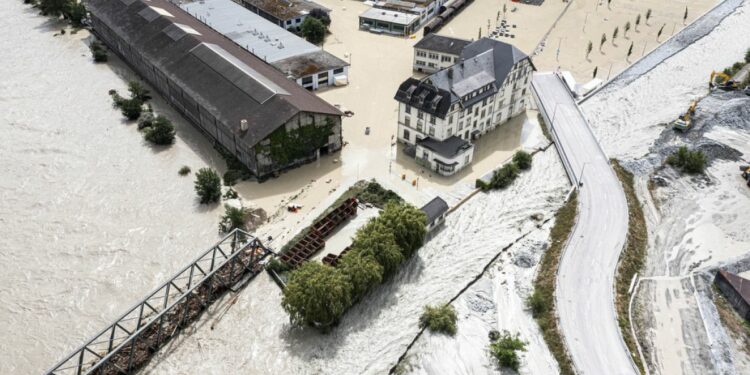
<point>322,16</point>
<point>505,350</point>
<point>408,225</point>
<point>138,91</point>
<point>522,159</point>
<point>504,176</point>
<point>161,131</point>
<point>589,47</point>
<point>316,294</point>
<point>234,218</point>
<point>648,16</point>
<point>692,162</point>
<point>364,272</point>
<point>313,30</point>
<point>54,8</point>
<point>627,28</point>
<point>208,185</point>
<point>378,241</point>
<point>601,42</point>
<point>439,319</point>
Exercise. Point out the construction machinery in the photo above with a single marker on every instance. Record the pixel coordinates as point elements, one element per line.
<point>725,81</point>
<point>745,169</point>
<point>684,122</point>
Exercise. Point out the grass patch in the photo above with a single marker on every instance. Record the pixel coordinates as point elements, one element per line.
<point>692,162</point>
<point>737,327</point>
<point>505,350</point>
<point>632,260</point>
<point>439,319</point>
<point>542,300</point>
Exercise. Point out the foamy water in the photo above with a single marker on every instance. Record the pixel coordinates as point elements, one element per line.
<point>91,216</point>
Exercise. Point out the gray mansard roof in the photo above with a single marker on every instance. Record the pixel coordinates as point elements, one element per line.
<point>228,81</point>
<point>484,62</point>
<point>434,208</point>
<point>444,44</point>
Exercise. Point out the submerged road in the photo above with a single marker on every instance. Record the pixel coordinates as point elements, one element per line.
<point>585,279</point>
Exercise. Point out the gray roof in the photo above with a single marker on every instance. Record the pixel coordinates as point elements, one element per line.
<point>231,83</point>
<point>390,16</point>
<point>739,284</point>
<point>286,9</point>
<point>447,148</point>
<point>434,208</point>
<point>443,44</point>
<point>486,62</point>
<point>251,31</point>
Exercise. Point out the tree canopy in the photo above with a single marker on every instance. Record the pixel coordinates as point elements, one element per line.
<point>363,272</point>
<point>317,294</point>
<point>161,131</point>
<point>407,224</point>
<point>378,241</point>
<point>313,30</point>
<point>208,185</point>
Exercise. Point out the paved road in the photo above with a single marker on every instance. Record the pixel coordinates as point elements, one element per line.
<point>585,281</point>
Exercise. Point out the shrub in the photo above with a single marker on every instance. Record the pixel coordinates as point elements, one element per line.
<point>522,159</point>
<point>378,196</point>
<point>505,350</point>
<point>363,271</point>
<point>231,176</point>
<point>207,185</point>
<point>537,303</point>
<point>313,30</point>
<point>692,162</point>
<point>75,12</point>
<point>54,8</point>
<point>480,184</point>
<point>131,108</point>
<point>277,266</point>
<point>504,176</point>
<point>231,194</point>
<point>146,120</point>
<point>184,171</point>
<point>138,91</point>
<point>316,294</point>
<point>439,319</point>
<point>98,52</point>
<point>234,218</point>
<point>161,132</point>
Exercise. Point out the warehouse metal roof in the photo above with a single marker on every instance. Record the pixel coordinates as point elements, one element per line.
<point>390,16</point>
<point>230,83</point>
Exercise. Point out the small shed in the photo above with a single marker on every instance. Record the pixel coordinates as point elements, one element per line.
<point>435,211</point>
<point>737,291</point>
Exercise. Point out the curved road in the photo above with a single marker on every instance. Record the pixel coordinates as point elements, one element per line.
<point>585,280</point>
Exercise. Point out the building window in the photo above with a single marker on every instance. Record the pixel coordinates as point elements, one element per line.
<point>407,136</point>
<point>288,22</point>
<point>338,71</point>
<point>431,65</point>
<point>450,132</point>
<point>419,127</point>
<point>407,121</point>
<point>466,160</point>
<point>407,109</point>
<point>445,59</point>
<point>450,120</point>
<point>460,126</point>
<point>476,110</point>
<point>307,80</point>
<point>420,114</point>
<point>432,131</point>
<point>421,54</point>
<point>482,116</point>
<point>475,124</point>
<point>433,56</point>
<point>432,120</point>
<point>420,62</point>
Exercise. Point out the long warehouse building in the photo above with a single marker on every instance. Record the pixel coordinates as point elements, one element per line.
<point>253,110</point>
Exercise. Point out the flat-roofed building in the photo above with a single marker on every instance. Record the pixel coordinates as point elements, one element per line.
<point>435,52</point>
<point>300,60</point>
<point>237,100</point>
<point>288,14</point>
<point>440,115</point>
<point>388,21</point>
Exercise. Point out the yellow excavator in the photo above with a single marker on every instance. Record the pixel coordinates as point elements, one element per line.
<point>725,81</point>
<point>684,122</point>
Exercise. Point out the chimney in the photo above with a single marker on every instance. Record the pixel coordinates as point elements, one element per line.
<point>243,125</point>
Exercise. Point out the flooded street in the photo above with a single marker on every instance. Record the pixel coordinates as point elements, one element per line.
<point>91,216</point>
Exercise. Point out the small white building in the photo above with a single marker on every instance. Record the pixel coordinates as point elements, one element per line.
<point>388,21</point>
<point>440,115</point>
<point>435,210</point>
<point>435,52</point>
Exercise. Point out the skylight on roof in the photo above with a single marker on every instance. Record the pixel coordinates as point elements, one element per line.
<point>162,11</point>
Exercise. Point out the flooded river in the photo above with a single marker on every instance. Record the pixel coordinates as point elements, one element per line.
<point>91,217</point>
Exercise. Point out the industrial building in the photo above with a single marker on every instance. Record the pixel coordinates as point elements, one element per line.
<point>435,52</point>
<point>736,290</point>
<point>288,14</point>
<point>439,116</point>
<point>300,60</point>
<point>266,120</point>
<point>398,17</point>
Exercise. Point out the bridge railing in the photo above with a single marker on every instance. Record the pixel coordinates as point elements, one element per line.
<point>129,342</point>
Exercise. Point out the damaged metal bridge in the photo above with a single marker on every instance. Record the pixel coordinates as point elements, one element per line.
<point>129,342</point>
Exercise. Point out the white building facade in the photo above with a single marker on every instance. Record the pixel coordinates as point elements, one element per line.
<point>435,52</point>
<point>441,115</point>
